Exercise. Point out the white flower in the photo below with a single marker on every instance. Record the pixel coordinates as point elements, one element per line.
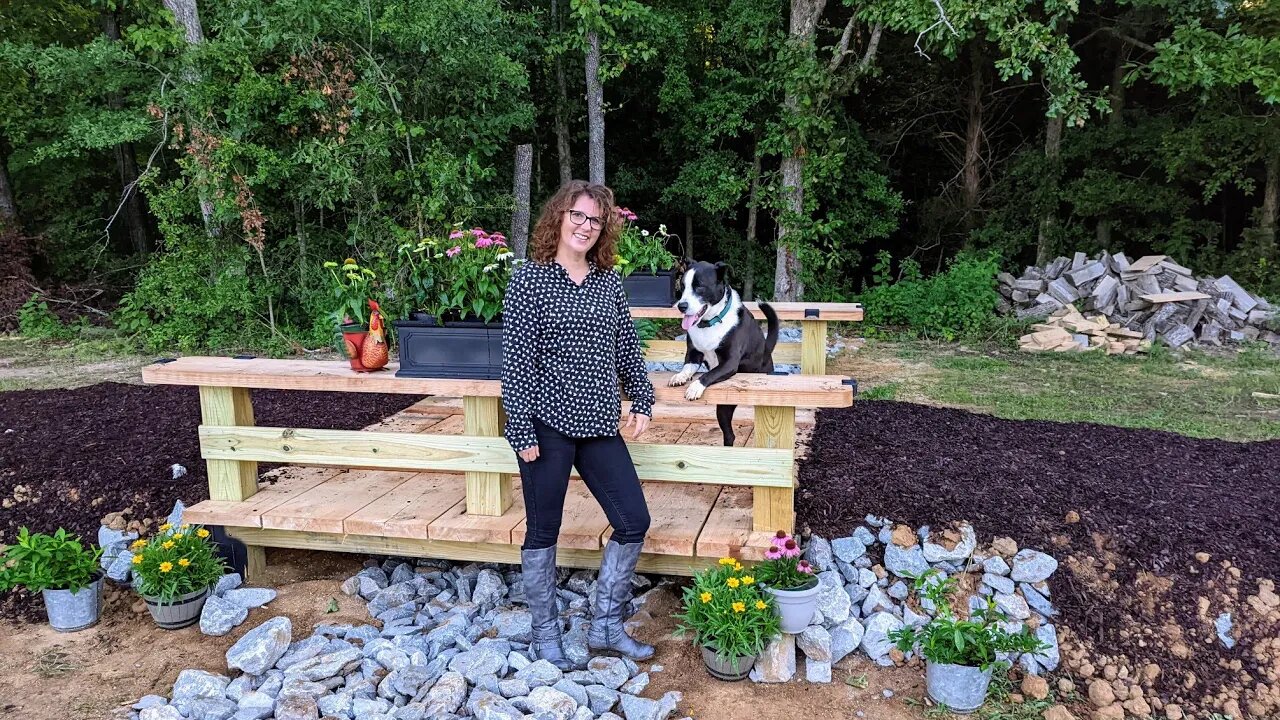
<point>644,233</point>
<point>504,255</point>
<point>662,229</point>
<point>491,268</point>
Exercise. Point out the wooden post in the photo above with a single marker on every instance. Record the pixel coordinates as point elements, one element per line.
<point>488,493</point>
<point>774,509</point>
<point>232,480</point>
<point>813,347</point>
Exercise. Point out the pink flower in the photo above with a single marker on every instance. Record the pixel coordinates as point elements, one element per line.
<point>626,214</point>
<point>477,232</point>
<point>453,250</point>
<point>484,242</point>
<point>500,242</point>
<point>790,549</point>
<point>455,234</point>
<point>772,553</point>
<point>804,567</point>
<point>780,539</point>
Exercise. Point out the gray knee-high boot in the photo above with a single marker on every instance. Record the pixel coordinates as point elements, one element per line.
<point>612,599</point>
<point>539,573</point>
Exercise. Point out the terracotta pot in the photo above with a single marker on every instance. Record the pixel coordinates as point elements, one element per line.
<point>353,340</point>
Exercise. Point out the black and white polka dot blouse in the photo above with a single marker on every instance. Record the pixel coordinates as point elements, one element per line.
<point>564,348</point>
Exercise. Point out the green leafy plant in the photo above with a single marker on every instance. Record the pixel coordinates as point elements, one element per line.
<point>353,287</point>
<point>36,320</point>
<point>641,249</point>
<point>958,302</point>
<point>461,276</point>
<point>948,640</point>
<point>175,561</point>
<point>782,568</point>
<point>726,611</point>
<point>48,562</point>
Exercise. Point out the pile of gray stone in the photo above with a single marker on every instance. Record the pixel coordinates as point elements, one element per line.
<point>450,642</point>
<point>229,604</point>
<point>117,559</point>
<point>868,591</point>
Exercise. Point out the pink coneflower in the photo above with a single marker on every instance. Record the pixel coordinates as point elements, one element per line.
<point>773,553</point>
<point>484,242</point>
<point>790,549</point>
<point>453,250</point>
<point>455,234</point>
<point>626,214</point>
<point>780,539</point>
<point>499,241</point>
<point>804,567</point>
<point>477,232</point>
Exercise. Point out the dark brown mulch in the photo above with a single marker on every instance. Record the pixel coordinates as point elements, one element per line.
<point>99,449</point>
<point>1159,498</point>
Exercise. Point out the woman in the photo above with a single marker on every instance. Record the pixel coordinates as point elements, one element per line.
<point>567,340</point>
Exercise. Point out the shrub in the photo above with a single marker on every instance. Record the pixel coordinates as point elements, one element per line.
<point>725,610</point>
<point>36,320</point>
<point>175,561</point>
<point>48,562</point>
<point>958,302</point>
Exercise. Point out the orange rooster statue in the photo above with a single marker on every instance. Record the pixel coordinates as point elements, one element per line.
<point>374,353</point>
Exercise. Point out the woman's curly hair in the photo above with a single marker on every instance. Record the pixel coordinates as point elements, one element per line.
<point>546,233</point>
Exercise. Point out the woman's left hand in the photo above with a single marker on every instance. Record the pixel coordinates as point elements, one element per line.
<point>640,421</point>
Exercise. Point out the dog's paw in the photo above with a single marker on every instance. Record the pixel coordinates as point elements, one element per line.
<point>695,391</point>
<point>680,378</point>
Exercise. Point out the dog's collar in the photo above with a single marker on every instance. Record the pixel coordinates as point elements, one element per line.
<point>718,318</point>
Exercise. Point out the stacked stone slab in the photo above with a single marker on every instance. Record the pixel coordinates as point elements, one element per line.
<point>1152,296</point>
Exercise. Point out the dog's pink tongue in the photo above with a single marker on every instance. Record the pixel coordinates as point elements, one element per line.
<point>689,321</point>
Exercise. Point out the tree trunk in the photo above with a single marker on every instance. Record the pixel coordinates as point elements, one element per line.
<point>300,219</point>
<point>562,105</point>
<point>1270,205</point>
<point>787,281</point>
<point>188,17</point>
<point>749,279</point>
<point>595,109</point>
<point>688,236</point>
<point>972,171</point>
<point>1052,149</point>
<point>127,163</point>
<point>8,207</point>
<point>520,215</point>
<point>1116,119</point>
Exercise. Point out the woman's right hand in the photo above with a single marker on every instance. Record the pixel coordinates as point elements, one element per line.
<point>529,454</point>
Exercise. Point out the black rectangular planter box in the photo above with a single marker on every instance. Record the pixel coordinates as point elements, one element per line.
<point>456,350</point>
<point>649,289</point>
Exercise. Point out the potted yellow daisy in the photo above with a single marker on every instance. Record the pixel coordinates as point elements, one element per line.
<point>729,617</point>
<point>173,571</point>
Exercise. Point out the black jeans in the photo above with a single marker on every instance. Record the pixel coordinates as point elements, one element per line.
<point>605,467</point>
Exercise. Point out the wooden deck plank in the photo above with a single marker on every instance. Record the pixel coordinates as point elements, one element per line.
<point>456,525</point>
<point>784,353</point>
<point>289,482</point>
<point>850,312</point>
<point>708,433</point>
<point>408,510</point>
<point>324,507</point>
<point>452,425</point>
<point>728,525</point>
<point>407,422</point>
<point>690,412</point>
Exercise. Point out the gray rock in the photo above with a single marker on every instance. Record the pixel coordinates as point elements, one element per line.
<point>175,515</point>
<point>584,713</point>
<point>261,647</point>
<point>876,642</point>
<point>212,709</point>
<point>815,642</point>
<point>230,581</point>
<point>351,586</point>
<point>256,705</point>
<point>193,684</point>
<point>885,536</point>
<point>905,562</point>
<point>911,618</point>
<point>876,601</point>
<point>161,712</point>
<point>362,634</point>
<point>412,711</point>
<point>610,672</point>
<point>377,574</point>
<point>121,566</point>
<point>845,638</point>
<point>514,625</point>
<point>541,673</point>
<point>446,695</point>
<point>819,553</point>
<point>301,686</point>
<point>402,573</point>
<point>864,536</point>
<point>517,661</point>
<point>302,650</point>
<point>638,708</point>
<point>876,522</point>
<point>399,613</point>
<point>1048,659</point>
<point>1032,566</point>
<point>635,685</point>
<point>573,690</point>
<point>366,706</point>
<point>219,617</point>
<point>866,578</point>
<point>512,687</point>
<point>273,683</point>
<point>601,699</point>
<point>549,700</point>
<point>481,661</point>
<point>337,704</point>
<point>489,590</point>
<point>995,565</point>
<point>968,543</point>
<point>485,705</point>
<point>898,591</point>
<point>1038,602</point>
<point>326,666</point>
<point>999,583</point>
<point>1013,606</point>
<point>392,658</point>
<point>817,671</point>
<point>777,663</point>
<point>848,549</point>
<point>575,644</point>
<point>392,596</point>
<point>1223,626</point>
<point>655,668</point>
<point>149,701</point>
<point>296,707</point>
<point>833,601</point>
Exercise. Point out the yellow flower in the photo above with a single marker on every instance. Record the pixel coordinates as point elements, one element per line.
<point>739,607</point>
<point>737,567</point>
<point>177,536</point>
<point>732,582</point>
<point>747,579</point>
<point>728,561</point>
<point>166,566</point>
<point>167,544</point>
<point>138,544</point>
<point>349,261</point>
<point>184,562</point>
<point>202,533</point>
<point>706,597</point>
<point>166,526</point>
<point>137,559</point>
<point>760,605</point>
<point>330,264</point>
<point>184,526</point>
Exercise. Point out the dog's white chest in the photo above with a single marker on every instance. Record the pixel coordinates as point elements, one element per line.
<point>708,340</point>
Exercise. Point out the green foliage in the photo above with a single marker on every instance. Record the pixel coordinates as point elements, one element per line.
<point>725,610</point>
<point>352,288</point>
<point>461,276</point>
<point>782,568</point>
<point>643,250</point>
<point>36,320</point>
<point>952,304</point>
<point>950,641</point>
<point>888,391</point>
<point>48,562</point>
<point>175,561</point>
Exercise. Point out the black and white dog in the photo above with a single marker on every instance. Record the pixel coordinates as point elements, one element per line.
<point>722,333</point>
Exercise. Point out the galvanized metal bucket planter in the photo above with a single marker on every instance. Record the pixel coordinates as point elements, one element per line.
<point>182,612</point>
<point>71,611</point>
<point>961,688</point>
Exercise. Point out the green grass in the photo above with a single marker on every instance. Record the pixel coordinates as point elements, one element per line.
<point>1199,394</point>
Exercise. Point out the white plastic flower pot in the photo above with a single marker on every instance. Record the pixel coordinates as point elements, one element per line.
<point>795,608</point>
<point>961,688</point>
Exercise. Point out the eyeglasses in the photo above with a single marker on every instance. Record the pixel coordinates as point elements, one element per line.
<point>577,217</point>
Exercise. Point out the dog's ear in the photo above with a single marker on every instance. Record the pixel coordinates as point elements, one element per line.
<point>722,271</point>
